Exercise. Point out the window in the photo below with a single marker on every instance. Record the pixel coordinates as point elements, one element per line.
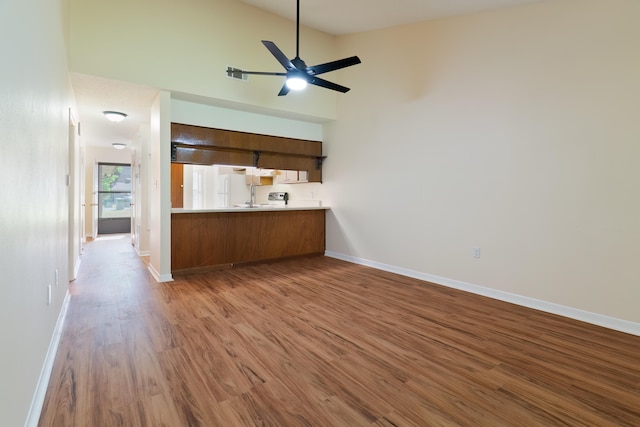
<point>198,189</point>
<point>114,194</point>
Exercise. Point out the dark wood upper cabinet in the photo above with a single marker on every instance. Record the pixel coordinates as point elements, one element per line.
<point>207,146</point>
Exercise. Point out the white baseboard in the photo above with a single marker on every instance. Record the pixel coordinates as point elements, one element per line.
<point>45,374</point>
<point>142,253</point>
<point>76,268</point>
<point>160,278</point>
<point>549,307</point>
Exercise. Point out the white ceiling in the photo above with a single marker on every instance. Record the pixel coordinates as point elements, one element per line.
<point>96,94</point>
<point>354,16</point>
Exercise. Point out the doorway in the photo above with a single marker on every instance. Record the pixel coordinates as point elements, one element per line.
<point>114,198</point>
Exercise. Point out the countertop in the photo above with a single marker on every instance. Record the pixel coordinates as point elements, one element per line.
<point>261,208</point>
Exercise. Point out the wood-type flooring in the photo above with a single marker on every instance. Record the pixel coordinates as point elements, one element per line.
<point>322,342</point>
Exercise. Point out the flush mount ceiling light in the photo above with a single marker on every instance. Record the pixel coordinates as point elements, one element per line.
<point>119,145</point>
<point>114,116</point>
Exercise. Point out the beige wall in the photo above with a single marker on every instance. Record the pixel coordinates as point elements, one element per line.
<point>35,98</point>
<point>185,47</point>
<point>516,131</point>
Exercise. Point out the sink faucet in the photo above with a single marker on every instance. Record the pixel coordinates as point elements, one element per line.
<point>252,195</point>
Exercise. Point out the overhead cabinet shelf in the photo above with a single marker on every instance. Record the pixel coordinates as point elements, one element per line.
<point>208,146</point>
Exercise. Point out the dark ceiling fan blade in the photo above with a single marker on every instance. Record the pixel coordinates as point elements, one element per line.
<point>326,84</point>
<point>281,57</point>
<point>334,65</point>
<point>285,90</point>
<point>262,73</point>
<point>297,69</point>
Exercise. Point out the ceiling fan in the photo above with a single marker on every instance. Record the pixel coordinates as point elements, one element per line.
<point>297,72</point>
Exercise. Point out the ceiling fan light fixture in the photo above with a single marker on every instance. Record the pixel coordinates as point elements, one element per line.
<point>297,72</point>
<point>119,145</point>
<point>114,116</point>
<point>296,83</point>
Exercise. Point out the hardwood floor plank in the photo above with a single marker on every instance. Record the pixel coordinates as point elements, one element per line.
<point>250,410</point>
<point>141,362</point>
<point>193,405</point>
<point>158,410</point>
<point>231,373</point>
<point>342,414</point>
<point>550,405</point>
<point>292,393</point>
<point>62,410</point>
<point>322,342</point>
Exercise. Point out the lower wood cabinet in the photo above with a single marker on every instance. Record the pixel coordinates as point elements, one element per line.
<point>222,239</point>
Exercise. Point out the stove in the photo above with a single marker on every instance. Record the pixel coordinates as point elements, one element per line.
<point>279,196</point>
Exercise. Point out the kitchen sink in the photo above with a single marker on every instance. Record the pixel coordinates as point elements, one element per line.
<point>254,206</point>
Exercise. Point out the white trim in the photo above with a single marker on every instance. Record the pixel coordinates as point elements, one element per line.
<point>33,416</point>
<point>76,268</point>
<point>160,278</point>
<point>142,253</point>
<point>549,307</point>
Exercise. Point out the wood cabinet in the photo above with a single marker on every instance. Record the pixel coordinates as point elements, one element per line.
<point>210,240</point>
<point>177,185</point>
<point>260,176</point>
<point>208,146</point>
<point>292,177</point>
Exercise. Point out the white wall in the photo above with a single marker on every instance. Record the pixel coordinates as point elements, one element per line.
<point>515,131</point>
<point>35,98</point>
<point>76,198</point>
<point>160,188</point>
<point>196,114</point>
<point>307,194</point>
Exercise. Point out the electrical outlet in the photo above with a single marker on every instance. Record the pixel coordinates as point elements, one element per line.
<point>49,294</point>
<point>476,252</point>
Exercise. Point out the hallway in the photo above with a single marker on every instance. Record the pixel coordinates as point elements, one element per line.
<point>104,336</point>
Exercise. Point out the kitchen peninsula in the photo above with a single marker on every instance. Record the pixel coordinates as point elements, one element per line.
<point>207,239</point>
<point>221,237</point>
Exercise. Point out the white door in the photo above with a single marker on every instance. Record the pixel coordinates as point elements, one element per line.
<point>71,202</point>
<point>94,202</point>
<point>83,231</point>
<point>134,188</point>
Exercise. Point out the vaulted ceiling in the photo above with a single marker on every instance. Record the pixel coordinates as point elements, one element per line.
<point>95,94</point>
<point>354,16</point>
